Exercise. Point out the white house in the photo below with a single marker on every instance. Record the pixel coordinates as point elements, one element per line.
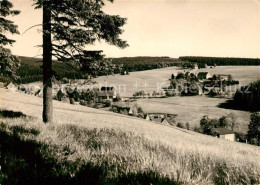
<point>224,133</point>
<point>11,87</point>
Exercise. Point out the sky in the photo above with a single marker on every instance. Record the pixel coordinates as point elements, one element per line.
<point>220,28</point>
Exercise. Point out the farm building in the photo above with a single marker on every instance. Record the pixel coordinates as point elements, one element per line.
<point>161,118</point>
<point>224,133</point>
<point>122,109</point>
<point>107,89</point>
<point>223,77</point>
<point>11,86</point>
<point>204,75</point>
<point>158,118</point>
<point>109,95</point>
<point>168,121</point>
<point>196,66</point>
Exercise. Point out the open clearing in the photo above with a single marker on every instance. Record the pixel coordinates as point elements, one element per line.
<point>188,109</point>
<point>151,80</point>
<point>192,109</point>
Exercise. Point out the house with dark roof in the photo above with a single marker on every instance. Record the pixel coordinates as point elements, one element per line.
<point>225,77</point>
<point>109,95</point>
<point>122,109</point>
<point>107,89</point>
<point>168,121</point>
<point>224,133</point>
<point>158,118</point>
<point>161,118</point>
<point>204,75</point>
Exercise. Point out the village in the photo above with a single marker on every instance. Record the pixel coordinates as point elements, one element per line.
<point>185,83</point>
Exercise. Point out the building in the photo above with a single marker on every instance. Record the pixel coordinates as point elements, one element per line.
<point>204,75</point>
<point>107,89</point>
<point>161,118</point>
<point>107,93</point>
<point>122,109</point>
<point>196,66</point>
<point>168,121</point>
<point>223,77</point>
<point>224,133</point>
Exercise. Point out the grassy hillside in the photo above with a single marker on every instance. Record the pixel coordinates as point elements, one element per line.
<point>106,148</point>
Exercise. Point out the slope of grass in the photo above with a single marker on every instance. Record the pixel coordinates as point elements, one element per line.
<point>34,153</point>
<point>113,148</point>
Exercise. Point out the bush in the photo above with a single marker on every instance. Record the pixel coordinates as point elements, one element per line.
<point>197,129</point>
<point>187,126</point>
<point>82,102</point>
<point>60,95</point>
<point>72,101</point>
<point>108,103</point>
<point>180,125</point>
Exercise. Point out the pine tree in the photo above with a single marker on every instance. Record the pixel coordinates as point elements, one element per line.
<point>68,26</point>
<point>8,62</point>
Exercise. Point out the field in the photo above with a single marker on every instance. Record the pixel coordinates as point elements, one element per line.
<point>192,109</point>
<point>188,109</point>
<point>152,79</point>
<point>135,146</point>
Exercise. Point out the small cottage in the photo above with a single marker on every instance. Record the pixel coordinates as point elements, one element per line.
<point>224,133</point>
<point>223,77</point>
<point>204,75</point>
<point>11,86</point>
<point>108,95</point>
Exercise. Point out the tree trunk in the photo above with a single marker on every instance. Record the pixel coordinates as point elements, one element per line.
<point>47,114</point>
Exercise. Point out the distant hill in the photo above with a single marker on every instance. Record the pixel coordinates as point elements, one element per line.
<point>146,63</point>
<point>31,68</point>
<point>221,61</point>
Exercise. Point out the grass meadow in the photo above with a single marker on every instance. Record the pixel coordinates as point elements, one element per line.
<point>188,109</point>
<point>151,79</point>
<point>192,109</point>
<point>89,146</point>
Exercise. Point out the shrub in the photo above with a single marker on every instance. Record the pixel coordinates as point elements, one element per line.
<point>108,103</point>
<point>187,126</point>
<point>180,125</point>
<point>82,102</point>
<point>60,95</point>
<point>197,129</point>
<point>72,101</point>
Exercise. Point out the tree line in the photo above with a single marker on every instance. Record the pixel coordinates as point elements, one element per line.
<point>220,61</point>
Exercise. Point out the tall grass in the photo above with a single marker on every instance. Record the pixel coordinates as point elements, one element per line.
<point>34,153</point>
